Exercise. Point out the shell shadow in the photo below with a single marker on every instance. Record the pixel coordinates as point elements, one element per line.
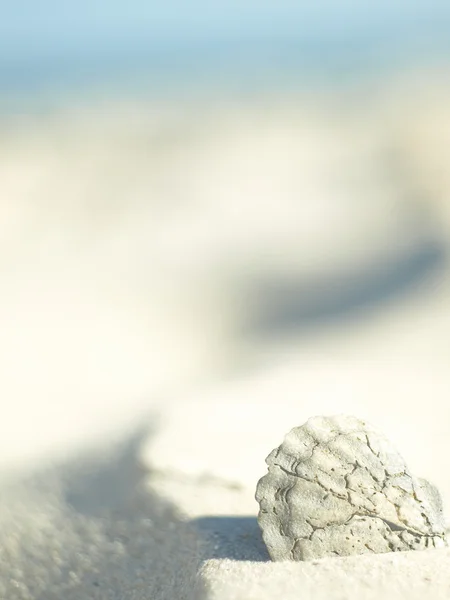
<point>232,537</point>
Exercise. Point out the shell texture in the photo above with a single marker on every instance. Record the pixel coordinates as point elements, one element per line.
<point>337,487</point>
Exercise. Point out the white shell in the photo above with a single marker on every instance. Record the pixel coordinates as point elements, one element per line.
<point>336,486</point>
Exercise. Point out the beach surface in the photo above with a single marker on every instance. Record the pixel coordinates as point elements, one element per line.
<point>182,285</point>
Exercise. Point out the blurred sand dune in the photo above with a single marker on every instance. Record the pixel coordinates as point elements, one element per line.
<point>194,279</point>
<point>140,241</point>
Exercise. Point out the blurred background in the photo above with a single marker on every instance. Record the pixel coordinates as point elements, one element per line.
<point>193,194</point>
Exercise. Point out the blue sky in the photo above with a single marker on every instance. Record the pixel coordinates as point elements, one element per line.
<point>44,27</point>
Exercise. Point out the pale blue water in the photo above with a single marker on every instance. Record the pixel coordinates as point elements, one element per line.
<point>50,51</point>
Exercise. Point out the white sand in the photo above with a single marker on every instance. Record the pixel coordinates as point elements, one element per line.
<point>403,576</point>
<point>147,368</point>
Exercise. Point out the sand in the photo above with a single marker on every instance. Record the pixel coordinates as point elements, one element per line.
<point>165,322</point>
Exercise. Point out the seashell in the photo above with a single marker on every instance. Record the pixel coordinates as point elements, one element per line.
<point>337,487</point>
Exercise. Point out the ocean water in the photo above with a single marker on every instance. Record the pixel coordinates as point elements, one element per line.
<point>54,60</point>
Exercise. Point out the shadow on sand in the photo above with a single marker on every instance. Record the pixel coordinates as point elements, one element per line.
<point>278,305</point>
<point>95,528</point>
<point>235,538</point>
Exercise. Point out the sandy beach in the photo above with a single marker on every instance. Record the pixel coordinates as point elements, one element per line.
<point>181,284</point>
